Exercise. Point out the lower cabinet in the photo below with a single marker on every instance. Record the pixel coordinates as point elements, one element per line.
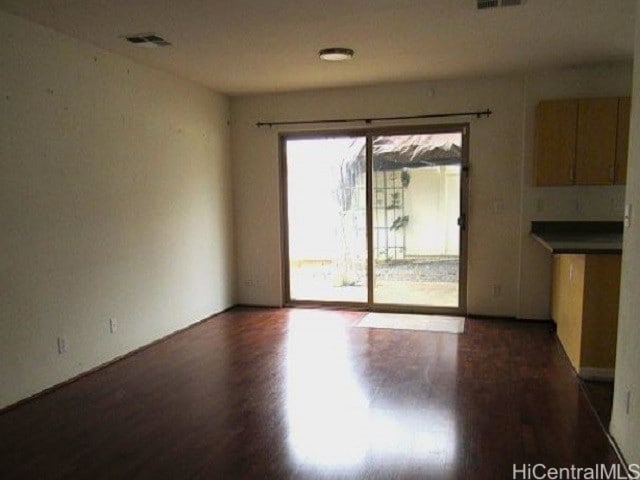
<point>584,305</point>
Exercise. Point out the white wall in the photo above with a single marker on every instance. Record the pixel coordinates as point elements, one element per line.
<point>115,201</point>
<point>502,202</point>
<point>625,427</point>
<point>432,202</point>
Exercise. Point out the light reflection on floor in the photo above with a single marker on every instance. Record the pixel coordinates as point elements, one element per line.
<point>334,423</point>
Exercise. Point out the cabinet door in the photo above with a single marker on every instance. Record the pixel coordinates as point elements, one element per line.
<point>622,147</point>
<point>600,315</point>
<point>555,142</point>
<point>567,296</point>
<point>596,143</point>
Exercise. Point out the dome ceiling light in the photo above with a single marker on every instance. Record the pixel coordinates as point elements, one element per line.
<point>336,54</point>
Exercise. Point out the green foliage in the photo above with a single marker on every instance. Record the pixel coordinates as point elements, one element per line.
<point>399,223</point>
<point>405,177</point>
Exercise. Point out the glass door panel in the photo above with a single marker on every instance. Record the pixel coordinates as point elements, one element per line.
<point>326,219</point>
<point>416,182</point>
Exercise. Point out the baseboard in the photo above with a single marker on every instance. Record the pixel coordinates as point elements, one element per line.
<point>258,305</point>
<point>507,318</point>
<point>476,316</point>
<point>587,373</point>
<point>75,378</point>
<point>364,308</point>
<point>597,374</point>
<point>535,320</point>
<point>481,316</point>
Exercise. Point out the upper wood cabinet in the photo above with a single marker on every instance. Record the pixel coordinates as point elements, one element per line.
<point>581,141</point>
<point>555,142</point>
<point>596,142</point>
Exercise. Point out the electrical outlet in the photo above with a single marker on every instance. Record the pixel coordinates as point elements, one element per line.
<point>628,402</point>
<point>496,289</point>
<point>113,325</point>
<point>62,345</point>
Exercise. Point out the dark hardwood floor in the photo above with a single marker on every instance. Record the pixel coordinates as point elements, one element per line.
<point>600,394</point>
<point>270,394</point>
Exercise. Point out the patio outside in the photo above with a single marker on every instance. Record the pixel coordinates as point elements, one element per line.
<point>415,211</point>
<point>421,281</point>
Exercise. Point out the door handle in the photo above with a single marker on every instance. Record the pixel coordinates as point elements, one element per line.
<point>462,221</point>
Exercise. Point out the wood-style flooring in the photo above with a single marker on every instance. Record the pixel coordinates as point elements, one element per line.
<point>301,394</point>
<point>600,394</point>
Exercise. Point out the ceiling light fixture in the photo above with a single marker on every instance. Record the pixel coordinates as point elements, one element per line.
<point>336,54</point>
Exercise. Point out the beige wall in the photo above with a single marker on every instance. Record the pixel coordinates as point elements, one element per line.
<point>625,427</point>
<point>502,202</point>
<point>115,201</point>
<point>496,145</point>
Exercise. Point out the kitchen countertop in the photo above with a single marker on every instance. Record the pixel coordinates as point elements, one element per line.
<point>579,237</point>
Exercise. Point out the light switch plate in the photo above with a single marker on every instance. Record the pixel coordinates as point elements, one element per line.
<point>627,215</point>
<point>62,345</point>
<point>571,272</point>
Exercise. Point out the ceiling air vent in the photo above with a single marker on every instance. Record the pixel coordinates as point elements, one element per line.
<point>483,4</point>
<point>149,40</point>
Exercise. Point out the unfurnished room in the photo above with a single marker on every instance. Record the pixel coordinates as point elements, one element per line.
<point>319,240</point>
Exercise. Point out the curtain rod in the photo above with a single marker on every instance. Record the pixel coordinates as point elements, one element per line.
<point>478,114</point>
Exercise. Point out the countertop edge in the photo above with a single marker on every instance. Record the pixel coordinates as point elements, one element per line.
<point>576,250</point>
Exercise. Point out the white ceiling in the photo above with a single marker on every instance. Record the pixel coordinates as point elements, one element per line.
<point>251,46</point>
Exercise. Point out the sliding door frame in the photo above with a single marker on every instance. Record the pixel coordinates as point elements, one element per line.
<point>368,134</point>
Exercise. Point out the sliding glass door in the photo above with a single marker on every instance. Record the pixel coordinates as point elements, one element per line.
<point>326,216</point>
<point>416,207</point>
<point>376,219</point>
